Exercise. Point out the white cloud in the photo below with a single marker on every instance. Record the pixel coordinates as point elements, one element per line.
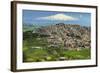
<point>61,17</point>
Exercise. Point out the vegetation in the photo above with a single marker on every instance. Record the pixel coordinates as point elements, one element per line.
<point>35,49</point>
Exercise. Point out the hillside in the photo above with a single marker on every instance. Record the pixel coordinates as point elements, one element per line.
<point>56,43</point>
<point>69,35</point>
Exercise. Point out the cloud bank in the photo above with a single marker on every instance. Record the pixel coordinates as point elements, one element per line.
<point>61,17</point>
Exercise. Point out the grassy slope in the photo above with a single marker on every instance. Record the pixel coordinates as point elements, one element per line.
<point>49,54</point>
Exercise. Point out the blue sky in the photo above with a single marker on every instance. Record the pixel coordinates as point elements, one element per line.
<point>53,17</point>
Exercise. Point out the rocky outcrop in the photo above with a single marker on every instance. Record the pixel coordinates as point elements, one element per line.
<point>70,36</point>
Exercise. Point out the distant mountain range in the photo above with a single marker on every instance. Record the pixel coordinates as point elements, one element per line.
<point>29,27</point>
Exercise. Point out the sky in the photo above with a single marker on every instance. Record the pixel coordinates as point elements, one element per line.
<point>53,17</point>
